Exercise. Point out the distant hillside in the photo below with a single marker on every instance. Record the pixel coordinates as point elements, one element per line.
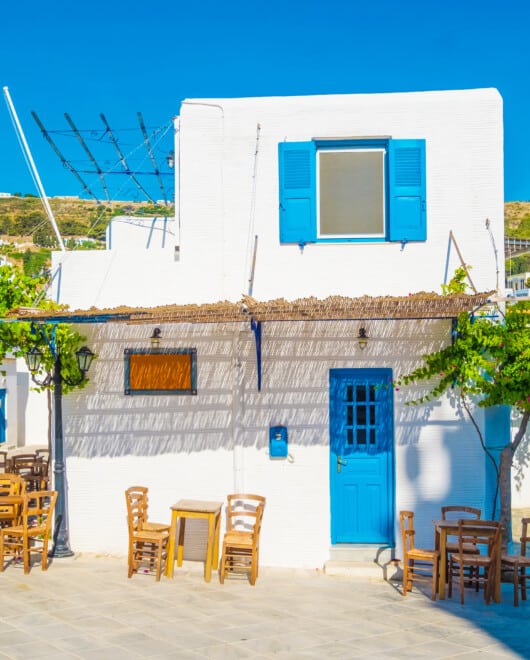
<point>517,219</point>
<point>26,217</point>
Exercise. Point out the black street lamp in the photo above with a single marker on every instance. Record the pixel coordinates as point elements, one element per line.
<point>84,356</point>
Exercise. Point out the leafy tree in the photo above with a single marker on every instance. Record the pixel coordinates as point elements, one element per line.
<point>17,338</point>
<point>488,363</point>
<point>34,263</point>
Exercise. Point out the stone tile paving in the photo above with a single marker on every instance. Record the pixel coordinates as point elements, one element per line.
<point>85,607</point>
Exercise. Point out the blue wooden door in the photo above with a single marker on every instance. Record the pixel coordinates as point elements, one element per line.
<point>2,416</point>
<point>361,456</point>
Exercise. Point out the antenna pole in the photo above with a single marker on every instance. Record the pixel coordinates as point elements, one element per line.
<point>33,168</point>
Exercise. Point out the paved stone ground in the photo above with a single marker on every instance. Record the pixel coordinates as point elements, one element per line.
<point>85,607</point>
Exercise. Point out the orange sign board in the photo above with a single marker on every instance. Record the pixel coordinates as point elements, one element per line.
<point>160,371</point>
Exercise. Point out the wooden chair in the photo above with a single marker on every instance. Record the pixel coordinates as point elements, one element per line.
<point>477,569</point>
<point>419,564</point>
<point>28,466</point>
<point>147,547</point>
<point>457,512</point>
<point>244,513</point>
<point>519,563</point>
<point>141,492</point>
<point>33,533</point>
<point>10,484</point>
<point>4,462</point>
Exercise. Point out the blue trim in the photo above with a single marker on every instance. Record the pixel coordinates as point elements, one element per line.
<point>357,514</point>
<point>2,415</point>
<point>297,172</point>
<point>256,329</point>
<point>407,190</point>
<point>405,185</point>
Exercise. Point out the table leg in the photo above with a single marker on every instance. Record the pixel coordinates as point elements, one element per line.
<point>209,549</point>
<point>170,561</point>
<point>180,548</point>
<point>216,541</point>
<point>442,571</point>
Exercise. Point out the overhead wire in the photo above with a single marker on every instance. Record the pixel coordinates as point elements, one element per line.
<point>151,155</point>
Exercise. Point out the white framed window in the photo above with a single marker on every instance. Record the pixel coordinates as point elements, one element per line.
<point>352,190</point>
<point>351,193</point>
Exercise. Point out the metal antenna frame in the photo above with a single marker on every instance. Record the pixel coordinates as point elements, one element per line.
<point>88,153</point>
<point>61,157</point>
<point>122,159</point>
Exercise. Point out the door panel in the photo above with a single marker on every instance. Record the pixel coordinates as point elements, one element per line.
<point>361,455</point>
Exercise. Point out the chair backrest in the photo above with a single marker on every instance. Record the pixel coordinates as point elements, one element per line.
<point>406,522</point>
<point>24,464</point>
<point>244,512</point>
<point>4,461</point>
<point>136,497</point>
<point>525,539</point>
<point>456,511</point>
<point>12,484</point>
<point>485,533</point>
<point>37,511</point>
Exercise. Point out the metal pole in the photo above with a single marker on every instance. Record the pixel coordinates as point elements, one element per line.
<point>33,167</point>
<point>61,540</point>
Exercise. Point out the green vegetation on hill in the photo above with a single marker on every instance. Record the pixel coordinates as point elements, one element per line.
<point>28,236</point>
<point>517,225</point>
<point>23,216</point>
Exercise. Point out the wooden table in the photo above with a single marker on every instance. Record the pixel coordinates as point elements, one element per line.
<point>443,529</point>
<point>210,511</point>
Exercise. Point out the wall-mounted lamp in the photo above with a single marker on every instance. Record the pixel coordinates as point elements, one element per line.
<point>362,338</point>
<point>171,159</point>
<point>155,338</point>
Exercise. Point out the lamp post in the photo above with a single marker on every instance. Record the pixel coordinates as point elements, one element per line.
<point>84,356</point>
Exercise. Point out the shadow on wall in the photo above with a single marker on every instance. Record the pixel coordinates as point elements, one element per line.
<point>296,359</point>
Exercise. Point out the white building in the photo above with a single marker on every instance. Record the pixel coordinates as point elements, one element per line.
<point>291,198</point>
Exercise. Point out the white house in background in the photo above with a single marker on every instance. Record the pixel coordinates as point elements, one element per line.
<point>292,198</point>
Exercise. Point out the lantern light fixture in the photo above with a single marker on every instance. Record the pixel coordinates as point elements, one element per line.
<point>155,338</point>
<point>362,338</point>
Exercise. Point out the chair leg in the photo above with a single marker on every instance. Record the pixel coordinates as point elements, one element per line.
<point>516,585</point>
<point>44,560</point>
<point>253,570</point>
<point>524,578</point>
<point>434,579</point>
<point>159,561</point>
<point>130,559</point>
<point>26,554</point>
<point>405,587</point>
<point>462,581</point>
<point>223,567</point>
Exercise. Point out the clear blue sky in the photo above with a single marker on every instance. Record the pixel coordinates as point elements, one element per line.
<point>119,57</point>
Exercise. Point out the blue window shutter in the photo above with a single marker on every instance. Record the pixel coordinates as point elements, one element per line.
<point>407,192</point>
<point>297,163</point>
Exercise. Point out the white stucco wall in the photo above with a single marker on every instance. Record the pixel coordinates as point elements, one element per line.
<point>227,194</point>
<point>208,445</point>
<point>25,412</point>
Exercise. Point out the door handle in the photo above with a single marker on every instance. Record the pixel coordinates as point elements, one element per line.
<point>340,462</point>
